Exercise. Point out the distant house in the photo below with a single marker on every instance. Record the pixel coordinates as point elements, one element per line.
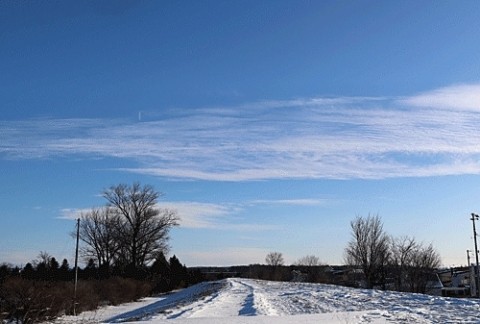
<point>457,282</point>
<point>298,276</point>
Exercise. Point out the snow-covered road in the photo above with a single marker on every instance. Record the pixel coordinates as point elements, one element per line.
<point>256,301</point>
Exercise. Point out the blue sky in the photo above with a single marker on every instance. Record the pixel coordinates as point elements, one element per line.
<point>268,125</point>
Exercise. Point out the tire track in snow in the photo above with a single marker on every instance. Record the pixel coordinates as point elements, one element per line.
<point>233,299</point>
<point>256,302</point>
<point>236,298</point>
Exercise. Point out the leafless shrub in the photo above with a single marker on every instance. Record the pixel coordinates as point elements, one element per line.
<point>28,301</point>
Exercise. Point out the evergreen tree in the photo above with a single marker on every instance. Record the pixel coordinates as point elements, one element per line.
<point>64,271</point>
<point>54,264</point>
<point>28,271</point>
<point>160,274</point>
<point>90,270</point>
<point>53,269</point>
<point>179,273</point>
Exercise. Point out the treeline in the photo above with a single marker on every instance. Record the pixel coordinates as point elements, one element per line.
<point>43,289</point>
<point>325,274</point>
<point>306,269</point>
<point>300,273</point>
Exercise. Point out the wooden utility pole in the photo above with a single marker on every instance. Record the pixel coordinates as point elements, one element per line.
<point>76,270</point>
<point>477,288</point>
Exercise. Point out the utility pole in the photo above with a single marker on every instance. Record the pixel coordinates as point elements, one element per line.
<point>76,270</point>
<point>468,258</point>
<point>477,274</point>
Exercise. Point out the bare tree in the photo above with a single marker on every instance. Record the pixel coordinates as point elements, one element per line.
<point>424,262</point>
<point>99,231</point>
<point>309,261</point>
<point>312,267</point>
<point>403,251</point>
<point>143,227</point>
<point>369,249</point>
<point>43,259</point>
<point>413,264</point>
<point>274,259</point>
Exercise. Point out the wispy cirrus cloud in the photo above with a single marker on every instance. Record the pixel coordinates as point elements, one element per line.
<point>291,202</point>
<point>200,215</point>
<point>195,215</point>
<point>72,213</point>
<point>428,134</point>
<point>462,96</point>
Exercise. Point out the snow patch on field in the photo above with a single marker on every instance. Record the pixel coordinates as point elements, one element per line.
<point>254,301</point>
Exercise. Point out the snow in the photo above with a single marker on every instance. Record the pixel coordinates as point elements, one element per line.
<point>249,301</point>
